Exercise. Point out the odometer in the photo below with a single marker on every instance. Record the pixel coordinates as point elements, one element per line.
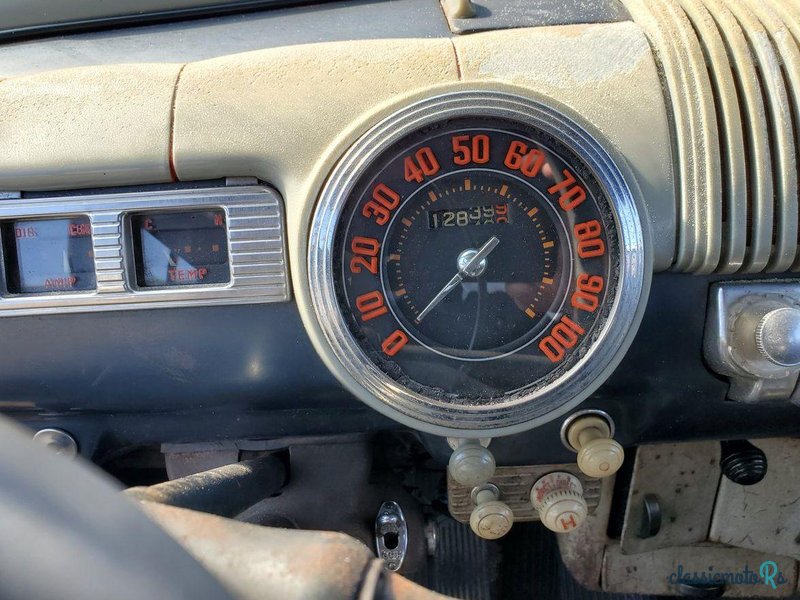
<point>475,262</point>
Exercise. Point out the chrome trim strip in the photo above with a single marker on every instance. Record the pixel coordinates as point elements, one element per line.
<point>256,249</point>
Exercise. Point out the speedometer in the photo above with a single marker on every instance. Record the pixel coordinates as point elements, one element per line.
<point>476,263</point>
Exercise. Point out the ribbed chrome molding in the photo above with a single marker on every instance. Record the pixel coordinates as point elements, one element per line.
<point>731,74</point>
<point>256,249</point>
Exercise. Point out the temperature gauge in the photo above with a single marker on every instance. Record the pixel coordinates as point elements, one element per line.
<point>180,248</point>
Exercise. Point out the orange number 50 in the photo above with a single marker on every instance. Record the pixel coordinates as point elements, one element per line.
<point>470,149</point>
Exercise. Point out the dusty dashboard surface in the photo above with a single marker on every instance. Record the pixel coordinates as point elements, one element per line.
<point>359,217</point>
<point>281,118</point>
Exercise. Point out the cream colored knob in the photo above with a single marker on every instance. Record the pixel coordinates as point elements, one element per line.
<point>558,498</point>
<point>563,511</point>
<point>490,519</point>
<point>600,457</point>
<point>471,464</point>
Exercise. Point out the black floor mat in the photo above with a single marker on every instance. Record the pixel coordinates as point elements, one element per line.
<point>465,566</point>
<point>532,568</point>
<point>524,565</point>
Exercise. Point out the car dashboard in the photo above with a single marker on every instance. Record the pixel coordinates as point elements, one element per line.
<point>548,246</point>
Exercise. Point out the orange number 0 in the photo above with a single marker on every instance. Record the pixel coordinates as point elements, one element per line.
<point>394,343</point>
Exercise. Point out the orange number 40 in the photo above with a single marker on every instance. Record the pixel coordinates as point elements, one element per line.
<point>422,164</point>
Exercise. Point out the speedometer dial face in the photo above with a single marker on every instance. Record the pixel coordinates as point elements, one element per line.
<point>475,258</point>
<point>474,263</point>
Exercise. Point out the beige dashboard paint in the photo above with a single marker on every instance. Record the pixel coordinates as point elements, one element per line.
<point>605,74</point>
<point>86,127</point>
<point>273,113</point>
<point>285,115</point>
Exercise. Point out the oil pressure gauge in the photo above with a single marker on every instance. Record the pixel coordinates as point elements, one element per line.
<point>476,264</point>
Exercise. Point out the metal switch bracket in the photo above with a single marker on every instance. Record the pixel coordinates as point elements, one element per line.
<point>732,307</point>
<point>514,484</point>
<point>684,478</point>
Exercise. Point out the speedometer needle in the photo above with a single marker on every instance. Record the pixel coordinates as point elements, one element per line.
<point>468,270</point>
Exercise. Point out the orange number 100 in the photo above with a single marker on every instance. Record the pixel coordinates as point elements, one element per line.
<point>563,336</point>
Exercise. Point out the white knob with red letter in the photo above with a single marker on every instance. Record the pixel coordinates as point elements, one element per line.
<point>558,498</point>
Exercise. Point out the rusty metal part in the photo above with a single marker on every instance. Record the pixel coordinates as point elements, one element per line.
<point>582,549</point>
<point>256,562</point>
<point>515,485</point>
<point>331,489</point>
<point>685,478</point>
<point>396,587</point>
<point>224,491</point>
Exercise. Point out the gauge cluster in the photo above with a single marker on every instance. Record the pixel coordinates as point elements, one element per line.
<point>148,248</point>
<point>482,268</point>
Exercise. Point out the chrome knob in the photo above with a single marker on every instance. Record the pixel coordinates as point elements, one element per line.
<point>58,440</point>
<point>778,337</point>
<point>765,340</point>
